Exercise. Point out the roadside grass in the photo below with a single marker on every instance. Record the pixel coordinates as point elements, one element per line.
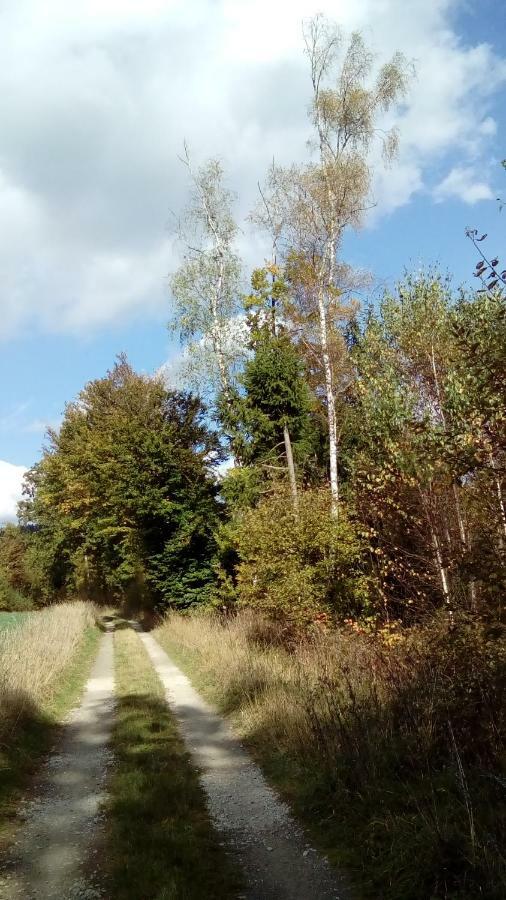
<point>159,841</point>
<point>44,665</point>
<point>12,619</point>
<point>389,755</point>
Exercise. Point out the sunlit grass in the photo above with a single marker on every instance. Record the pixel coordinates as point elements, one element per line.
<point>44,664</point>
<point>355,734</point>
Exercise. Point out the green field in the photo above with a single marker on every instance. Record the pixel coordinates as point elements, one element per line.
<point>12,619</point>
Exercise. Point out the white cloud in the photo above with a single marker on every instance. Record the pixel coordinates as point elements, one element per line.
<point>98,96</point>
<point>11,478</point>
<point>465,184</point>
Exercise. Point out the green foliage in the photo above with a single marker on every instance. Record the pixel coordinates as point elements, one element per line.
<point>424,439</point>
<point>12,600</point>
<point>274,395</point>
<point>16,582</point>
<point>271,403</point>
<point>301,566</point>
<point>124,499</point>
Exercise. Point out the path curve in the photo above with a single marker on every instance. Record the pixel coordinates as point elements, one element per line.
<point>276,858</point>
<point>59,824</point>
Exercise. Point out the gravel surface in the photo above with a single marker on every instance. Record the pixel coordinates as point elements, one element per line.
<point>61,822</point>
<point>278,862</point>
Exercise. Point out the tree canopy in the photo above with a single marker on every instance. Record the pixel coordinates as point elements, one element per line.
<point>123,498</point>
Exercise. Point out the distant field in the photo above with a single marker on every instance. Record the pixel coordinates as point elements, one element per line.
<point>12,619</point>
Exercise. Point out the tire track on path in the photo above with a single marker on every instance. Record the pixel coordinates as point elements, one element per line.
<point>60,823</point>
<point>272,849</point>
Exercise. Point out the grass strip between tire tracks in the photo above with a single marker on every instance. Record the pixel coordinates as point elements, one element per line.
<point>159,840</point>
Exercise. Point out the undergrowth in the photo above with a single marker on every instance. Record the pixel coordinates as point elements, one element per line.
<point>391,753</point>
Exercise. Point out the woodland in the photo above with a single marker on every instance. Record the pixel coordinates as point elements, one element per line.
<point>325,496</point>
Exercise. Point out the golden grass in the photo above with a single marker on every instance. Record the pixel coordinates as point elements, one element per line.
<point>34,655</point>
<point>390,752</point>
<point>266,688</point>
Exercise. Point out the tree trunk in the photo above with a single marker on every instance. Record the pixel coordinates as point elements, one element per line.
<point>465,542</point>
<point>500,502</point>
<point>331,406</point>
<point>220,356</point>
<point>438,555</point>
<point>442,571</point>
<point>291,468</point>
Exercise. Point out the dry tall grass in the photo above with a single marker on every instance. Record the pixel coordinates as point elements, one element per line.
<point>33,656</point>
<point>396,747</point>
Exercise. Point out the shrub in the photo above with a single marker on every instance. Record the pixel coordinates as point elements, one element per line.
<point>301,566</point>
<point>12,600</point>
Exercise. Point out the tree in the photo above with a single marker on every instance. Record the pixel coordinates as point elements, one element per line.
<point>308,569</point>
<point>271,406</point>
<point>479,325</point>
<point>425,443</point>
<point>15,575</point>
<point>124,497</point>
<point>206,287</point>
<point>309,207</point>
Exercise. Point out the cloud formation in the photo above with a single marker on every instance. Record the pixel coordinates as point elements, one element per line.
<point>11,478</point>
<point>98,96</point>
<point>463,182</point>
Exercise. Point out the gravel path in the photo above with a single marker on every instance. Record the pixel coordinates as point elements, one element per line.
<point>276,858</point>
<point>60,824</point>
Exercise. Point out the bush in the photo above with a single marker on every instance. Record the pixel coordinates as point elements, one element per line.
<point>299,566</point>
<point>12,600</point>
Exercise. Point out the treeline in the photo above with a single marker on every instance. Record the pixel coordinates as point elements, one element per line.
<point>366,447</point>
<point>420,520</point>
<point>345,479</point>
<point>126,501</point>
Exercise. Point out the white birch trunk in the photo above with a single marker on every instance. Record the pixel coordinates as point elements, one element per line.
<point>501,504</point>
<point>443,573</point>
<point>464,537</point>
<point>331,405</point>
<point>438,556</point>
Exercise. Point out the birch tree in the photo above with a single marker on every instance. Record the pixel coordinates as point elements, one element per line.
<point>311,205</point>
<point>206,287</point>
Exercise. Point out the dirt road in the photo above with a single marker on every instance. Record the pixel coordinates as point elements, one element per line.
<point>60,824</point>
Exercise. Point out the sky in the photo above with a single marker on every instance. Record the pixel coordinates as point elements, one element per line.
<point>96,99</point>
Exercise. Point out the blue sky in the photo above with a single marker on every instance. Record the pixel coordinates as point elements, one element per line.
<point>96,101</point>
